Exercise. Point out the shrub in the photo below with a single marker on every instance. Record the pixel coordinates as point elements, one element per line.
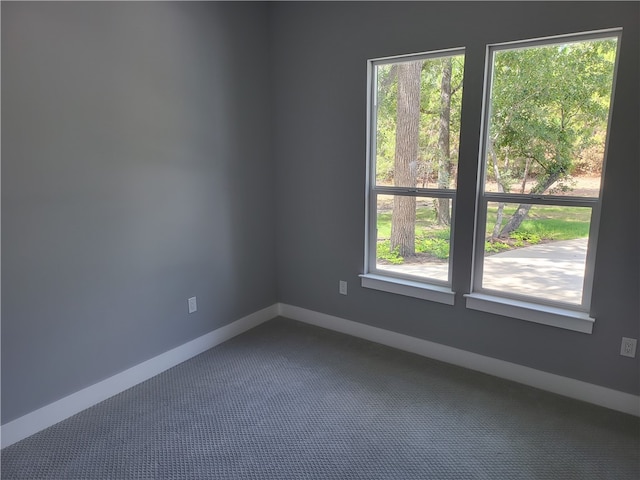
<point>384,252</point>
<point>495,247</point>
<point>521,238</point>
<point>435,246</point>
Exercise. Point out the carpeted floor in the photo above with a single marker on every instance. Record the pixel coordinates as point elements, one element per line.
<point>291,401</point>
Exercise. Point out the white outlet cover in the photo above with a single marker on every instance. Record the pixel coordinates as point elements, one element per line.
<point>193,305</point>
<point>628,347</point>
<point>343,287</point>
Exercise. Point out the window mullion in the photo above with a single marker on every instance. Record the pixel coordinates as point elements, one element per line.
<point>478,257</point>
<point>541,199</point>
<point>415,192</point>
<point>590,260</point>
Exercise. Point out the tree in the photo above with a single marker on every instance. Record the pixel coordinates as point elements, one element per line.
<point>546,103</point>
<point>443,214</point>
<point>501,188</point>
<point>417,131</point>
<point>406,154</point>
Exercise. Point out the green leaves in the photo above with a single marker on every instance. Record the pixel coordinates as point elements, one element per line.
<point>426,164</point>
<point>546,102</point>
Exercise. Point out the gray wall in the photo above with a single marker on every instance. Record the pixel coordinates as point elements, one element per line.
<point>136,172</point>
<point>319,67</point>
<point>139,163</point>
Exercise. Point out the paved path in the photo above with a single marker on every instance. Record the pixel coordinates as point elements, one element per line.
<point>554,270</point>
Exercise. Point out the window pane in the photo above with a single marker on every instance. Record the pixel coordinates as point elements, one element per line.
<point>417,122</point>
<point>544,257</point>
<point>410,240</point>
<point>548,118</point>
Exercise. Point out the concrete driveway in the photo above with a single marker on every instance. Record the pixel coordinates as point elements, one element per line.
<point>553,270</point>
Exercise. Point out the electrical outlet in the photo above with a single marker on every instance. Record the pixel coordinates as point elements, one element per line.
<point>193,305</point>
<point>628,347</point>
<point>343,287</point>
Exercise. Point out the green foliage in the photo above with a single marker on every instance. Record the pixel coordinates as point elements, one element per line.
<point>543,225</point>
<point>387,92</point>
<point>384,252</point>
<point>555,223</point>
<point>437,247</point>
<point>495,247</point>
<point>430,238</point>
<point>551,224</point>
<point>520,238</point>
<point>549,109</point>
<point>555,229</point>
<point>546,104</point>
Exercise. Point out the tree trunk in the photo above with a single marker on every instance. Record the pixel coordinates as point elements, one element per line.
<point>523,210</point>
<point>406,157</point>
<point>443,214</point>
<point>496,171</point>
<point>527,164</point>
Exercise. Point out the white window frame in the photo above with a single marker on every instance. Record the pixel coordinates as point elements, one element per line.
<point>385,280</point>
<point>555,313</point>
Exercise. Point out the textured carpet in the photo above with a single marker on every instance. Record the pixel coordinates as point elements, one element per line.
<point>291,401</point>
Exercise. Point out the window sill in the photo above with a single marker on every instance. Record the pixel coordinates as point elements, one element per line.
<point>532,312</point>
<point>433,293</point>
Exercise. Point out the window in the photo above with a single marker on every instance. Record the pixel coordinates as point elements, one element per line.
<point>543,143</point>
<point>414,129</point>
<point>546,120</point>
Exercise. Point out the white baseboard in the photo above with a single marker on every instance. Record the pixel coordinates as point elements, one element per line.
<point>568,387</point>
<point>59,410</point>
<point>55,412</point>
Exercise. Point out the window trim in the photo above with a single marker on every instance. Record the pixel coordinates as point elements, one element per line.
<point>408,288</point>
<point>556,314</point>
<point>533,312</point>
<point>521,306</point>
<point>418,193</point>
<point>404,284</point>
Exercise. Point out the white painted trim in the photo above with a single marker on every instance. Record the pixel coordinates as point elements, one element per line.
<point>59,410</point>
<point>401,286</point>
<point>587,392</point>
<point>531,312</point>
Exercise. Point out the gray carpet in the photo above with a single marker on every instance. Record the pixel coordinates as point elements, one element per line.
<point>291,401</point>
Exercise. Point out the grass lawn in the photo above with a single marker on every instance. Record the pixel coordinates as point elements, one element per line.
<point>543,224</point>
<point>548,222</point>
